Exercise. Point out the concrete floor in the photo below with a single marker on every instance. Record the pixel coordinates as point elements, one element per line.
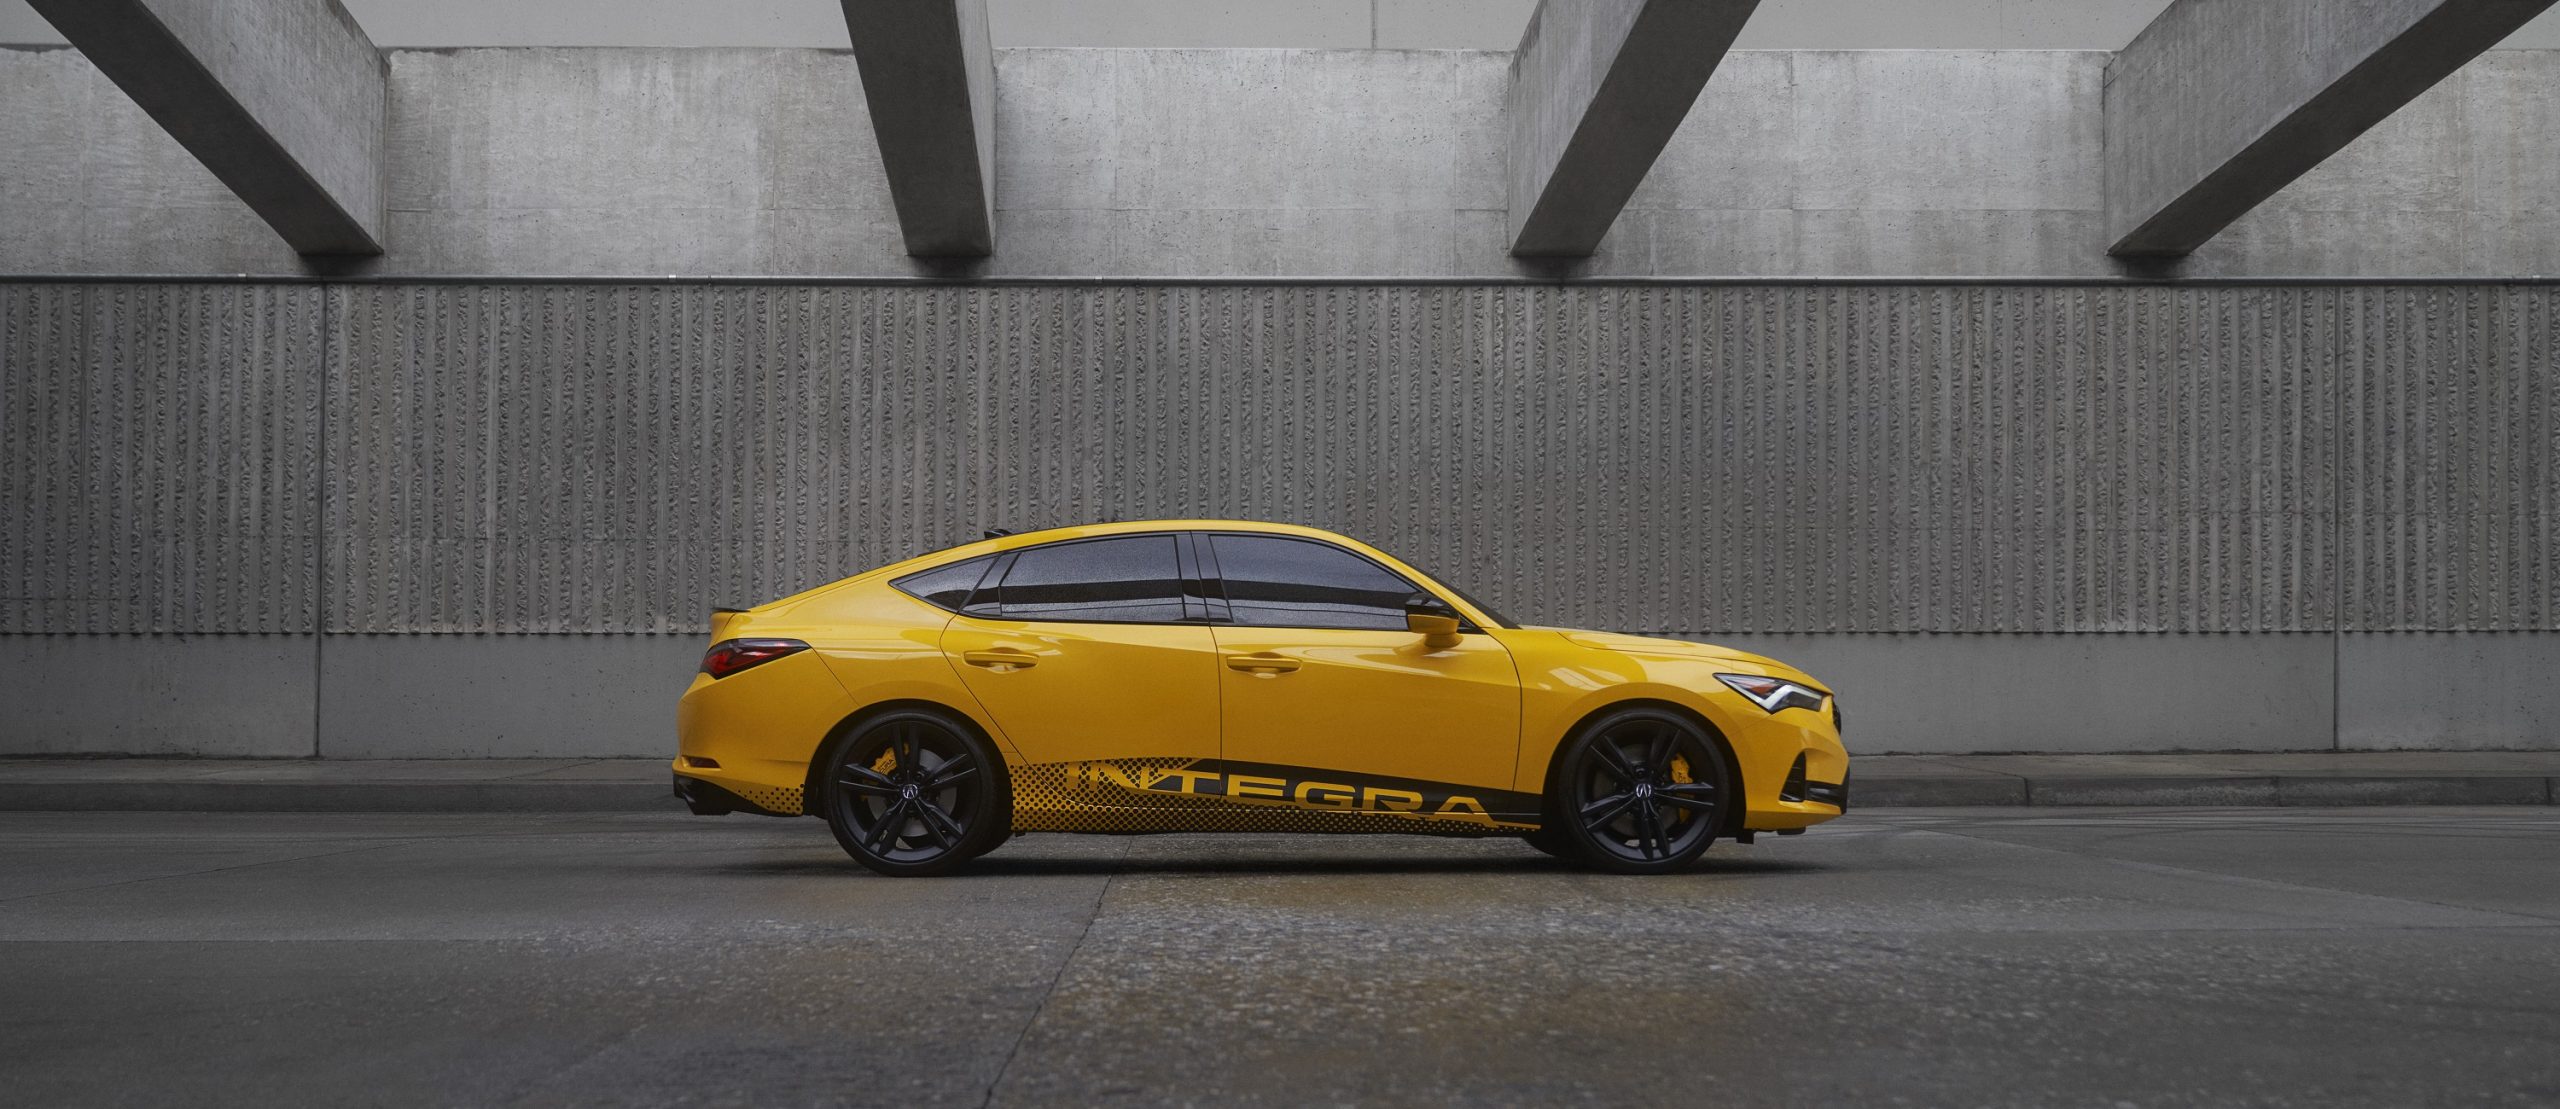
<point>1985,957</point>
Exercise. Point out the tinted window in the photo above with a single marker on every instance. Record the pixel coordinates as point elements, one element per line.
<point>946,586</point>
<point>1292,583</point>
<point>1136,580</point>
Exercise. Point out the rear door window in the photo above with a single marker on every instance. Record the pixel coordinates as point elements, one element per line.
<point>1135,579</point>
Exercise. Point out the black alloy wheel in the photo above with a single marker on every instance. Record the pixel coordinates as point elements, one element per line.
<point>1640,791</point>
<point>916,794</point>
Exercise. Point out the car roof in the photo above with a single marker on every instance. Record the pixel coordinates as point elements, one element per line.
<point>1018,540</point>
<point>1002,543</point>
<point>1131,527</point>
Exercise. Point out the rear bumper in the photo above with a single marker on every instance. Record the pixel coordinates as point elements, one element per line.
<point>704,798</point>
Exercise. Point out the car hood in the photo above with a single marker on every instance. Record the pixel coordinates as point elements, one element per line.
<point>1655,645</point>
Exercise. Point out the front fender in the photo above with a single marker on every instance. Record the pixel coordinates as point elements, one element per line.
<point>1563,683</point>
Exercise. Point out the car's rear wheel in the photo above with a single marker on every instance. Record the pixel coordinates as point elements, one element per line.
<point>916,793</point>
<point>1639,791</point>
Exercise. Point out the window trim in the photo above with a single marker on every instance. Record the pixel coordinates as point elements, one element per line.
<point>1194,607</point>
<point>994,562</point>
<point>1207,541</point>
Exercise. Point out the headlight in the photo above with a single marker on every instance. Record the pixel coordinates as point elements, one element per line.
<point>1773,694</point>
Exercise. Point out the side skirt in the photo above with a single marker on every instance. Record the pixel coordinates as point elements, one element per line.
<point>1138,796</point>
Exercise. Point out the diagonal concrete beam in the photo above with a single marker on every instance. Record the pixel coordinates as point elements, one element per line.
<point>1597,89</point>
<point>281,99</point>
<point>2220,104</point>
<point>929,75</point>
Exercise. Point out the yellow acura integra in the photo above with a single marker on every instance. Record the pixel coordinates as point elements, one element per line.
<point>1202,675</point>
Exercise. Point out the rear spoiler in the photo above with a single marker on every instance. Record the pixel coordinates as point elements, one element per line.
<point>721,618</point>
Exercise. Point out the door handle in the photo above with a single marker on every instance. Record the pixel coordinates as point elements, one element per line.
<point>1000,659</point>
<point>1265,663</point>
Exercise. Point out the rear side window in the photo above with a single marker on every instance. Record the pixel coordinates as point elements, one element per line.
<point>946,586</point>
<point>1135,579</point>
<point>1293,583</point>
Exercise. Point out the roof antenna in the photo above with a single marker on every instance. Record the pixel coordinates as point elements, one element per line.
<point>998,533</point>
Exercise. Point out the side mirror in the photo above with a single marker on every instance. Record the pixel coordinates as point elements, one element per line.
<point>1433,620</point>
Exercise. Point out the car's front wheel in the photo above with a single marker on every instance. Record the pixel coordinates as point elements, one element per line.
<point>1639,791</point>
<point>915,793</point>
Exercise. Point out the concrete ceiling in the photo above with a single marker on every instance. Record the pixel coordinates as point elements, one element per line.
<point>1407,24</point>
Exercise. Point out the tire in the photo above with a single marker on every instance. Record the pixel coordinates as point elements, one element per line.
<point>917,793</point>
<point>1550,839</point>
<point>1639,791</point>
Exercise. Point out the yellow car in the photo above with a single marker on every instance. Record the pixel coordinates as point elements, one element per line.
<point>1205,675</point>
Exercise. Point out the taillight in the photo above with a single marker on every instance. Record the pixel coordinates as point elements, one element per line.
<point>732,655</point>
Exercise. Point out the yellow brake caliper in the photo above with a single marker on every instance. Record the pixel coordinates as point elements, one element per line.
<point>1680,776</point>
<point>887,762</point>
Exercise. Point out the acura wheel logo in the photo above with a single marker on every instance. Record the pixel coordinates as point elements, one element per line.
<point>1644,790</point>
<point>907,792</point>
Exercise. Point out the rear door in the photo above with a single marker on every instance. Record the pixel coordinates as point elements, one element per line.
<point>1318,671</point>
<point>1091,649</point>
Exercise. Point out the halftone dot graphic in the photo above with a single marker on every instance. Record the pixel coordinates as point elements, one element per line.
<point>785,800</point>
<point>1113,796</point>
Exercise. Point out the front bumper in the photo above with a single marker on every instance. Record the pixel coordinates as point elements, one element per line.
<point>1801,802</point>
<point>1829,794</point>
<point>1799,790</point>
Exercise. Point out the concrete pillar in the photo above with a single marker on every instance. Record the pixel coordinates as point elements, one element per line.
<point>929,75</point>
<point>281,99</point>
<point>1597,89</point>
<point>2220,104</point>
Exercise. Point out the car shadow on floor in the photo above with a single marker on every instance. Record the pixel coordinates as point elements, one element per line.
<point>1323,864</point>
<point>999,865</point>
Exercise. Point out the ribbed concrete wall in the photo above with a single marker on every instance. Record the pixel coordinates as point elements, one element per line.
<point>160,451</point>
<point>2450,503</point>
<point>1834,470</point>
<point>1779,460</point>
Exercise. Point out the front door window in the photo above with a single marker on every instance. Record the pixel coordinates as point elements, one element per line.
<point>1274,582</point>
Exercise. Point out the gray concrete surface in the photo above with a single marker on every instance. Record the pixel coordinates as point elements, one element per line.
<point>2216,107</point>
<point>2303,778</point>
<point>237,695</point>
<point>344,697</point>
<point>1597,90</point>
<point>338,785</point>
<point>2077,693</point>
<point>928,76</point>
<point>2362,957</point>
<point>609,696</point>
<point>282,100</point>
<point>2288,778</point>
<point>2446,691</point>
<point>502,697</point>
<point>1386,24</point>
<point>1244,163</point>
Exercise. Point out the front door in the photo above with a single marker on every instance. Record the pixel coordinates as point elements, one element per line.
<point>1318,673</point>
<point>1087,650</point>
